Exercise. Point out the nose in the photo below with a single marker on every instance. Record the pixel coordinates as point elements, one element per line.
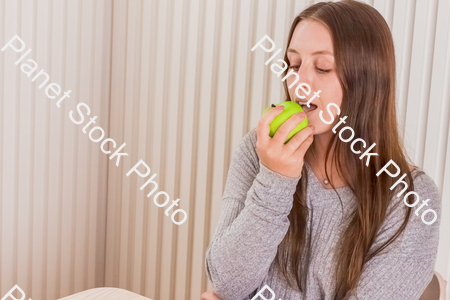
<point>303,86</point>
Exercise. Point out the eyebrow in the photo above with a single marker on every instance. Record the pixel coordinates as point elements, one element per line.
<point>322,52</point>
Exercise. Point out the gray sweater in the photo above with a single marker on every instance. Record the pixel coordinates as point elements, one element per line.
<point>253,222</point>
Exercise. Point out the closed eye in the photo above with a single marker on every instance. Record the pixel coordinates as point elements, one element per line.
<point>321,71</point>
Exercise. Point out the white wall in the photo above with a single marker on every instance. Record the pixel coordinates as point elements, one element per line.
<point>53,180</point>
<point>176,81</point>
<point>421,32</point>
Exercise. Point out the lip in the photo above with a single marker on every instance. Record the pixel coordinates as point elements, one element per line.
<point>309,112</point>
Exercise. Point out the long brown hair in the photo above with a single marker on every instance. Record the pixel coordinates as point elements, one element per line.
<point>365,64</point>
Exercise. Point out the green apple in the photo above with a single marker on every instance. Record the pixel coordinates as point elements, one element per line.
<point>290,108</point>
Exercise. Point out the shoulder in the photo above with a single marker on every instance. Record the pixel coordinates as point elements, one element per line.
<point>248,140</point>
<point>246,148</point>
<point>429,199</point>
<point>244,159</point>
<point>424,183</point>
<point>250,137</point>
<point>424,188</point>
<point>421,234</point>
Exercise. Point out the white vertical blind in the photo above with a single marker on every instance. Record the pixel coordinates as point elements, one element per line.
<point>176,81</point>
<point>53,178</point>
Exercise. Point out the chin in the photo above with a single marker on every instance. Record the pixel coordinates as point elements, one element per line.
<point>313,119</point>
<point>320,132</point>
<point>320,127</point>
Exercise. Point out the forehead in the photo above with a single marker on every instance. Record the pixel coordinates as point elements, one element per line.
<point>310,36</point>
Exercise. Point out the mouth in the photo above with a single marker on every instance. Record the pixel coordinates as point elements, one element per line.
<point>305,107</point>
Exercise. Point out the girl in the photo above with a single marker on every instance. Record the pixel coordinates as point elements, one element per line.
<point>312,219</point>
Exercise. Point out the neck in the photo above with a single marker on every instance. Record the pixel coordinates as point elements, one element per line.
<point>316,159</point>
<point>319,148</point>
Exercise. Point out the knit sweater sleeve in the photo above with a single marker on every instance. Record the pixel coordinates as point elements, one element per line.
<point>405,268</point>
<point>253,222</point>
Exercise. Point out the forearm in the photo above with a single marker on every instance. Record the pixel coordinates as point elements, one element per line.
<point>240,255</point>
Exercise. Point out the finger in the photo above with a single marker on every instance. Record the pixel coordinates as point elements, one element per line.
<point>263,129</point>
<point>298,138</point>
<point>301,150</point>
<point>285,129</point>
<point>215,297</point>
<point>209,295</point>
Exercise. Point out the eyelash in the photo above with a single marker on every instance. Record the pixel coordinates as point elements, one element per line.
<point>321,71</point>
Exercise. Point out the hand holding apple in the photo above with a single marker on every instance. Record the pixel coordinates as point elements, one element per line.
<point>274,153</point>
<point>290,108</point>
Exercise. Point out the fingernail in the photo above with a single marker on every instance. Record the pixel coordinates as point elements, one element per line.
<point>313,128</point>
<point>301,114</point>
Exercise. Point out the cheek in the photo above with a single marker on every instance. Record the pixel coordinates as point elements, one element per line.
<point>333,94</point>
<point>291,90</point>
<point>337,94</point>
<point>336,90</point>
